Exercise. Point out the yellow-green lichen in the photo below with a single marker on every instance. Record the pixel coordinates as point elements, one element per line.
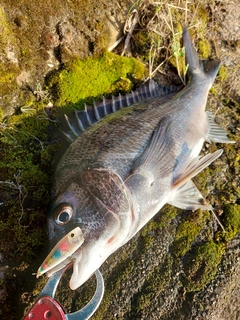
<point>201,264</point>
<point>84,80</point>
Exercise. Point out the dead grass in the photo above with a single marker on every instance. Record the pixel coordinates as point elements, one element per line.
<point>160,23</point>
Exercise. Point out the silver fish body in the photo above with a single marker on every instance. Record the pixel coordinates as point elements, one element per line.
<point>122,169</point>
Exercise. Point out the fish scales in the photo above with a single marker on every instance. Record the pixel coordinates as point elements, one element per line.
<point>118,141</point>
<point>107,134</point>
<point>82,119</point>
<point>122,168</point>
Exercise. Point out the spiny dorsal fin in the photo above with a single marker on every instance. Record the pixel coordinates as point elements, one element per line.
<point>81,120</point>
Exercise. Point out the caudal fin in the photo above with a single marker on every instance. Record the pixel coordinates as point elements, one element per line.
<point>196,67</point>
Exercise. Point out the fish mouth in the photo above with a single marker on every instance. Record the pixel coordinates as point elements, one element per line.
<point>86,261</point>
<point>61,255</point>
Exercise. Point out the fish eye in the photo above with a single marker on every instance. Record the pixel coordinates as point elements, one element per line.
<point>63,213</point>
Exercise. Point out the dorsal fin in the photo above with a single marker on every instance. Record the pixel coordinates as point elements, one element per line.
<point>81,120</point>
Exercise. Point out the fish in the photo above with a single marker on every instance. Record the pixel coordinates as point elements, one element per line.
<point>128,157</point>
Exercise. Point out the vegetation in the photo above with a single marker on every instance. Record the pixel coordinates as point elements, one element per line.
<point>83,81</point>
<point>201,265</point>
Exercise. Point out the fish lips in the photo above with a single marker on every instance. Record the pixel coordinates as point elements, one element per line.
<point>87,260</point>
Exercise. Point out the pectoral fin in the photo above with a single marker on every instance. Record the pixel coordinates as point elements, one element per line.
<point>154,161</point>
<point>188,197</point>
<point>217,133</point>
<point>196,166</point>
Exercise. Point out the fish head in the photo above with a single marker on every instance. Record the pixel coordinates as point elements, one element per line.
<point>103,215</point>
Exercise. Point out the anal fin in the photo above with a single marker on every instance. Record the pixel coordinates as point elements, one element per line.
<point>188,197</point>
<point>216,132</point>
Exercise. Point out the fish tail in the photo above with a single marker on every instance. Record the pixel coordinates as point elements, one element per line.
<point>196,67</point>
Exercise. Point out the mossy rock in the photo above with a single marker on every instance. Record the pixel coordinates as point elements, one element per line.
<point>201,265</point>
<point>188,230</point>
<point>154,285</point>
<point>82,81</point>
<point>9,68</point>
<point>231,222</point>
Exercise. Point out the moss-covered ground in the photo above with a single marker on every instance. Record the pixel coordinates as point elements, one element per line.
<point>176,251</point>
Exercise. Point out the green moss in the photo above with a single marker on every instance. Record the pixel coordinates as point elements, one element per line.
<point>223,73</point>
<point>103,39</point>
<point>166,215</point>
<point>114,283</point>
<point>202,16</point>
<point>162,220</point>
<point>201,265</point>
<point>26,151</point>
<point>178,54</point>
<point>8,63</point>
<point>5,30</point>
<point>153,285</point>
<point>83,80</point>
<point>141,40</point>
<point>1,114</point>
<point>204,48</point>
<point>237,161</point>
<point>25,177</point>
<point>188,230</point>
<point>231,222</point>
<point>25,127</point>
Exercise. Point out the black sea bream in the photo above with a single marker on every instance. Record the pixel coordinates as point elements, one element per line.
<point>126,162</point>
